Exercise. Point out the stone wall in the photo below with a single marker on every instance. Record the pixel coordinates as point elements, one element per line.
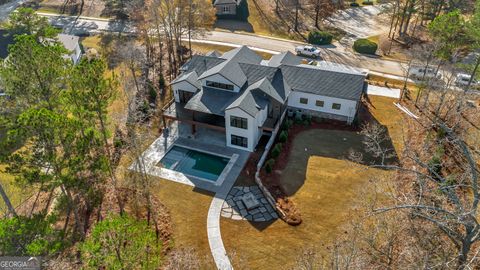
<point>258,180</point>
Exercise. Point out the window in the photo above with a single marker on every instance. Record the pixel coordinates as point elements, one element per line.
<point>336,106</point>
<point>304,100</point>
<point>239,141</point>
<point>319,103</point>
<point>239,122</point>
<point>226,9</point>
<point>220,85</point>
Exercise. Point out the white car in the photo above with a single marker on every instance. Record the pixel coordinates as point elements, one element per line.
<point>463,80</point>
<point>424,72</point>
<point>308,51</point>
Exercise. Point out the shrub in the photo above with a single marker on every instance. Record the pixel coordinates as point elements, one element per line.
<point>287,124</point>
<point>283,136</point>
<point>365,46</point>
<point>354,4</point>
<point>367,3</point>
<point>277,149</point>
<point>152,94</point>
<point>269,165</point>
<point>320,37</point>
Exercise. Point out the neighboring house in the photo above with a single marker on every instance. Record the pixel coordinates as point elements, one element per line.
<point>244,96</point>
<point>71,43</point>
<point>226,7</point>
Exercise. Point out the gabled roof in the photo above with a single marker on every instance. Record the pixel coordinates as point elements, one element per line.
<point>211,101</point>
<point>243,54</point>
<point>274,75</point>
<point>213,53</point>
<point>190,77</point>
<point>323,82</point>
<point>285,58</point>
<point>249,103</point>
<point>266,87</point>
<point>200,63</point>
<point>224,2</point>
<point>230,70</point>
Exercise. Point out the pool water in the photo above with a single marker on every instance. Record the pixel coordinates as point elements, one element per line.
<point>194,163</point>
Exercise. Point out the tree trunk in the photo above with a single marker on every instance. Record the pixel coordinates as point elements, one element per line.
<point>5,198</point>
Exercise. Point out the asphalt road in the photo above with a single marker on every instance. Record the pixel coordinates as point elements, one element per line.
<point>334,53</point>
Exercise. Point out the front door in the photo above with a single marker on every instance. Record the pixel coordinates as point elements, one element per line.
<point>184,96</point>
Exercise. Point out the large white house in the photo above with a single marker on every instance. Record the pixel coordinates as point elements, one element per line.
<point>244,96</point>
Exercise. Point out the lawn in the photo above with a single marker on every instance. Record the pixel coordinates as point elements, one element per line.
<point>326,189</point>
<point>188,209</point>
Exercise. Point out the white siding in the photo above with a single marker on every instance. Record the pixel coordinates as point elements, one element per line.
<point>348,107</point>
<point>183,85</point>
<point>76,54</point>
<point>220,79</point>
<point>254,131</point>
<point>250,133</point>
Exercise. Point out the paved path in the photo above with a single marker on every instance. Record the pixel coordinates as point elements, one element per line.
<point>7,8</point>
<point>383,91</point>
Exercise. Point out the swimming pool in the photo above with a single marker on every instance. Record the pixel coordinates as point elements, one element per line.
<point>194,163</point>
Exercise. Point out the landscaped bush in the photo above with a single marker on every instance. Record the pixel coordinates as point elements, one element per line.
<point>287,124</point>
<point>365,46</point>
<point>269,165</point>
<point>354,4</point>
<point>367,3</point>
<point>277,149</point>
<point>283,136</point>
<point>320,37</point>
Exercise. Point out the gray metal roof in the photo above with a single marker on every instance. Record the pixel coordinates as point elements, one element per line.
<point>213,101</point>
<point>213,53</point>
<point>323,82</point>
<point>190,77</point>
<point>224,2</point>
<point>258,82</point>
<point>286,58</point>
<point>200,63</point>
<point>243,54</point>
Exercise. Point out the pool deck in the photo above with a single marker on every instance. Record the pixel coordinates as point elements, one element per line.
<point>208,141</point>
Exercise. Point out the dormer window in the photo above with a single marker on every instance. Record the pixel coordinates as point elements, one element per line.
<point>223,86</point>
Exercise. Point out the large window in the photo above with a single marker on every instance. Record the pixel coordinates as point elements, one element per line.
<point>239,122</point>
<point>319,103</point>
<point>304,100</point>
<point>220,85</point>
<point>336,106</point>
<point>226,9</point>
<point>239,141</point>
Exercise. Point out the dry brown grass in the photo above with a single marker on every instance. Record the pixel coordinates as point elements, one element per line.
<point>202,48</point>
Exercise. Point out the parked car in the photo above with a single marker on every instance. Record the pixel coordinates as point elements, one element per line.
<point>308,51</point>
<point>463,80</point>
<point>424,72</point>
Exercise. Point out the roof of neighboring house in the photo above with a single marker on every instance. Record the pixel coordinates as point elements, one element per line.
<point>285,58</point>
<point>5,40</point>
<point>69,42</point>
<point>225,2</point>
<point>258,83</point>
